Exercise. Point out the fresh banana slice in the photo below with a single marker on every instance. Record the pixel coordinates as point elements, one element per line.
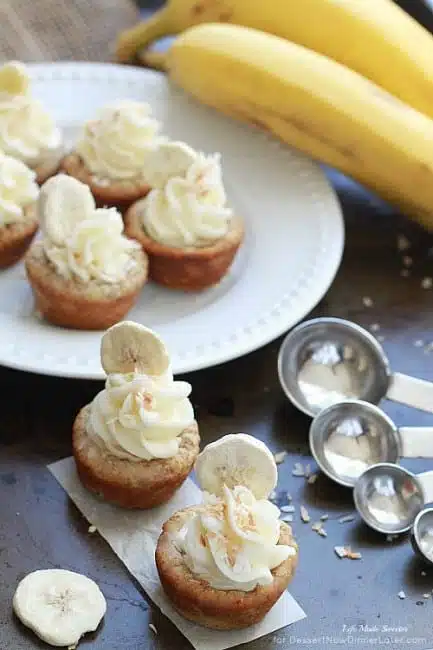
<point>59,606</point>
<point>167,160</point>
<point>63,202</point>
<point>14,79</point>
<point>131,347</point>
<point>237,459</point>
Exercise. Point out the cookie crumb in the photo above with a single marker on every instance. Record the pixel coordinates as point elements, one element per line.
<point>280,457</point>
<point>153,628</point>
<point>91,529</point>
<point>304,515</point>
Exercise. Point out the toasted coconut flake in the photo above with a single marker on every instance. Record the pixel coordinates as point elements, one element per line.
<point>346,519</point>
<point>312,479</point>
<point>427,283</point>
<point>375,327</point>
<point>287,518</point>
<point>322,532</point>
<point>401,595</point>
<point>280,457</point>
<point>91,529</point>
<point>423,573</point>
<point>153,628</point>
<point>426,596</point>
<point>304,515</point>
<point>367,301</point>
<point>288,508</point>
<point>402,243</point>
<point>353,555</point>
<point>298,470</point>
<point>288,497</point>
<point>340,551</point>
<point>316,526</point>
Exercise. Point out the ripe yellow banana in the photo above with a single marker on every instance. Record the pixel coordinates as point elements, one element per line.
<point>313,104</point>
<point>373,37</point>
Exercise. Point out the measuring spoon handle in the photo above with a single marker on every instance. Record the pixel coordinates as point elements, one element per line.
<point>411,392</point>
<point>426,480</point>
<point>416,442</point>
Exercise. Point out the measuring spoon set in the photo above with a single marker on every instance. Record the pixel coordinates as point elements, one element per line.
<point>336,372</point>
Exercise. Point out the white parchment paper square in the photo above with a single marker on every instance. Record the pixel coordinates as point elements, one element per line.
<point>133,535</point>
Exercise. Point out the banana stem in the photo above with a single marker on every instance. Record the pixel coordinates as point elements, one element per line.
<point>130,41</point>
<point>155,60</point>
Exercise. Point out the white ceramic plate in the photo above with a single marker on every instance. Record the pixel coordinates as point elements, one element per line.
<point>292,251</point>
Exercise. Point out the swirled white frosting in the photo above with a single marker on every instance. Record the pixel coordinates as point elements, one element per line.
<point>18,189</point>
<point>139,417</point>
<point>190,209</point>
<point>27,130</point>
<point>81,241</point>
<point>96,249</point>
<point>233,542</point>
<point>116,143</point>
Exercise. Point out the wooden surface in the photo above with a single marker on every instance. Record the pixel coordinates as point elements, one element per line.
<point>353,603</point>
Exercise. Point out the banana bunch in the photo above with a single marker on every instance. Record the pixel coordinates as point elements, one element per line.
<point>350,84</point>
<point>373,37</point>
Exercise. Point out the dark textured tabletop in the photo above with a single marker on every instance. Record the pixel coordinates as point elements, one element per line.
<point>354,603</point>
<point>349,603</point>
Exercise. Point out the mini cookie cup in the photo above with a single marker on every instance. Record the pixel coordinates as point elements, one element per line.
<point>187,269</point>
<point>198,601</point>
<point>140,484</point>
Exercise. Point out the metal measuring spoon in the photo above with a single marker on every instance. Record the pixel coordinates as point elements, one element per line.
<point>388,497</point>
<point>422,535</point>
<point>329,360</point>
<point>347,438</point>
